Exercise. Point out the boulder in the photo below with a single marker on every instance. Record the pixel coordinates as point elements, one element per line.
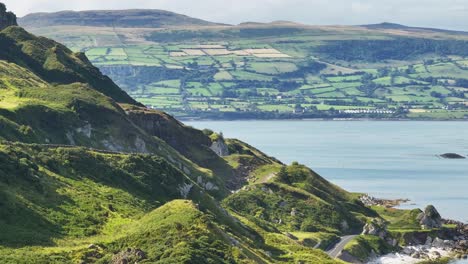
<point>220,148</point>
<point>408,251</point>
<point>377,227</point>
<point>128,256</point>
<point>438,243</point>
<point>430,218</point>
<point>428,241</point>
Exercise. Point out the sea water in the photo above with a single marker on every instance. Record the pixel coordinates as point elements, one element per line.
<point>386,159</point>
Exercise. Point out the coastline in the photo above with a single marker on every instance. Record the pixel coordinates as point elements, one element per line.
<point>453,247</point>
<point>183,119</point>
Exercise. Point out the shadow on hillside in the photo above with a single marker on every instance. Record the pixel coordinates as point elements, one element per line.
<point>21,225</point>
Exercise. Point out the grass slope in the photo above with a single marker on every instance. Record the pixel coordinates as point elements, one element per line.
<point>300,201</point>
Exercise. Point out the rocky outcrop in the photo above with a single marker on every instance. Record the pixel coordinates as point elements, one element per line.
<point>128,256</point>
<point>377,227</point>
<point>85,130</point>
<point>220,148</point>
<point>347,257</point>
<point>185,189</point>
<point>184,139</point>
<point>368,200</point>
<point>430,218</point>
<point>6,18</point>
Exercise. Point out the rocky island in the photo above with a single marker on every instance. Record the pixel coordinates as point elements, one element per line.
<point>452,156</point>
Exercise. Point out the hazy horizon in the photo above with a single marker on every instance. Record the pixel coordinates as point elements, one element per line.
<point>450,14</point>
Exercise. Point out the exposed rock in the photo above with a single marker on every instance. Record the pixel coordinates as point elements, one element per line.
<point>128,256</point>
<point>185,189</point>
<point>293,212</point>
<point>445,244</point>
<point>187,171</point>
<point>220,148</point>
<point>347,257</point>
<point>452,156</point>
<point>208,186</point>
<point>112,145</point>
<point>291,236</point>
<point>428,241</point>
<point>368,200</point>
<point>408,251</point>
<point>85,130</point>
<point>430,218</point>
<point>377,227</point>
<point>70,138</point>
<point>140,145</point>
<point>6,18</point>
<point>392,241</point>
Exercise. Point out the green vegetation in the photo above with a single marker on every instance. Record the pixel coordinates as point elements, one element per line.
<point>362,246</point>
<point>89,175</point>
<point>284,71</point>
<point>438,261</point>
<point>400,220</point>
<point>298,200</point>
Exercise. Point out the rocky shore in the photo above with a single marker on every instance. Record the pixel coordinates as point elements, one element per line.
<point>368,200</point>
<point>451,243</point>
<point>438,238</point>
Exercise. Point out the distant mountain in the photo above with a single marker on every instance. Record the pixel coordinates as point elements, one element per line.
<point>388,25</point>
<point>112,18</point>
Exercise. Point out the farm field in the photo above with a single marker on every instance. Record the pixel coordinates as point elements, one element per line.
<point>277,71</point>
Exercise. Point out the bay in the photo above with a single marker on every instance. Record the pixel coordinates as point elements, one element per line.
<point>386,159</point>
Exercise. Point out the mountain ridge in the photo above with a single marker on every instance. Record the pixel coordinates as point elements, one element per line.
<point>133,18</point>
<point>154,18</point>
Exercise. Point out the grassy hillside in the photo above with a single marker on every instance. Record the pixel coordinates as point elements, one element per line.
<point>282,69</point>
<point>299,200</point>
<point>56,201</point>
<point>55,63</point>
<point>90,176</point>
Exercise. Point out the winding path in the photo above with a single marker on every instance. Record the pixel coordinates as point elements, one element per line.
<point>338,247</point>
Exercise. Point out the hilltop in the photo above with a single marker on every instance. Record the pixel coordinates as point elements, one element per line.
<point>134,18</point>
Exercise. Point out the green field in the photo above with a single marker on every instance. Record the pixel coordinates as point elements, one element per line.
<point>271,73</point>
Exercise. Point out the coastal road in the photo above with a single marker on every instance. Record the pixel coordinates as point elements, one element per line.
<point>336,250</point>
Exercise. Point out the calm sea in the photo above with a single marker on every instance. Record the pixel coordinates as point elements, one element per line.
<point>384,159</point>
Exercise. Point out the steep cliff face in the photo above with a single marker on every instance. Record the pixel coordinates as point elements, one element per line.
<point>6,18</point>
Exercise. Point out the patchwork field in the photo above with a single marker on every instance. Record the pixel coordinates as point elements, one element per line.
<point>282,70</point>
